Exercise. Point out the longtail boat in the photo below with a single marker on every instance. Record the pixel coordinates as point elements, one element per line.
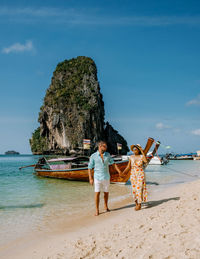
<point>75,168</point>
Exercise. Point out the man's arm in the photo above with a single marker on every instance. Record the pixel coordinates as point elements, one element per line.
<point>117,168</point>
<point>91,179</point>
<point>90,171</point>
<point>128,168</point>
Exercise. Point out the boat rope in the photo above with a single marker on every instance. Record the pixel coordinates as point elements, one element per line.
<point>47,162</point>
<point>180,172</point>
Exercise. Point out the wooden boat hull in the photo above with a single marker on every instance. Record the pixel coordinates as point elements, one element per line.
<point>149,143</point>
<point>81,174</point>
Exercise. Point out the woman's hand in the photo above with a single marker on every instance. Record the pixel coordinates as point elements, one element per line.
<point>122,173</point>
<point>144,159</point>
<point>117,169</point>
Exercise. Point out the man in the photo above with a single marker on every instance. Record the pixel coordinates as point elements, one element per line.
<point>100,161</point>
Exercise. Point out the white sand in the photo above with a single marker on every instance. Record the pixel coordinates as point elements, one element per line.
<point>169,227</point>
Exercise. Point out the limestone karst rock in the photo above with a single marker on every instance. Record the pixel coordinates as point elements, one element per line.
<point>73,110</point>
<point>112,138</point>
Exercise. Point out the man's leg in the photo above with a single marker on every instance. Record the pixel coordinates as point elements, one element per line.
<point>97,195</point>
<point>106,185</point>
<point>106,194</point>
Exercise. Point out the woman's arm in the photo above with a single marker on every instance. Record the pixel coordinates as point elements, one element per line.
<point>128,168</point>
<point>117,168</point>
<point>144,159</point>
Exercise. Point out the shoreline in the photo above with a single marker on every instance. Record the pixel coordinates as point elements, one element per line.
<point>82,238</point>
<point>120,196</point>
<point>62,229</point>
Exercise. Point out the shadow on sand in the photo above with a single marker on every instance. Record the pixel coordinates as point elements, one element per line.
<point>149,204</point>
<point>148,183</point>
<point>30,206</point>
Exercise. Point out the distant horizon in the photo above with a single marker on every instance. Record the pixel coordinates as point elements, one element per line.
<point>119,154</point>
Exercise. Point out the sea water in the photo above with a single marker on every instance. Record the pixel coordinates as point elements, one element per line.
<point>27,201</point>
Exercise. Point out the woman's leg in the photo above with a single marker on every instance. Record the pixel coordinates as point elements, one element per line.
<point>139,189</point>
<point>133,187</point>
<point>135,193</point>
<point>144,191</point>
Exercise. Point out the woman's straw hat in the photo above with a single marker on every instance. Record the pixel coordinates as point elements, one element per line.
<point>137,146</point>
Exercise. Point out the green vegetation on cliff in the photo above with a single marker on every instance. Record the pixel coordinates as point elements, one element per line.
<point>67,82</point>
<point>37,142</point>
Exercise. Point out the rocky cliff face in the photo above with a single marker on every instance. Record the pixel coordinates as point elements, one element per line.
<point>73,109</point>
<point>112,138</point>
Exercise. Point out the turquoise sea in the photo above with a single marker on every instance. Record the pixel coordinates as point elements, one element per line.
<point>27,201</point>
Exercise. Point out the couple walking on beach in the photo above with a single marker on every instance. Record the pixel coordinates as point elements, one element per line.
<point>100,161</point>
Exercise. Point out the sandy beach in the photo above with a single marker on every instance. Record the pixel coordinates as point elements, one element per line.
<point>168,226</point>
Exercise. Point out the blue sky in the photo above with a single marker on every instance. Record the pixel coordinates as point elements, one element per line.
<point>148,59</point>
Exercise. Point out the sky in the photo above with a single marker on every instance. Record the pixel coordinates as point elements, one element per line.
<point>147,55</point>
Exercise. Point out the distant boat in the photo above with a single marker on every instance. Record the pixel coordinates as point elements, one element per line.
<point>183,157</point>
<point>75,168</point>
<point>196,157</point>
<point>12,152</point>
<point>156,160</point>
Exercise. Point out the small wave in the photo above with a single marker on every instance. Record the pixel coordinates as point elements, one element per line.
<point>29,206</point>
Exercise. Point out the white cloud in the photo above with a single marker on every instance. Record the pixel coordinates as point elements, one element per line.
<point>161,126</point>
<point>90,17</point>
<point>18,47</point>
<point>40,12</point>
<point>194,102</point>
<point>196,132</point>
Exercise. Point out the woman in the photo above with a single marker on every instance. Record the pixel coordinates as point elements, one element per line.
<point>137,175</point>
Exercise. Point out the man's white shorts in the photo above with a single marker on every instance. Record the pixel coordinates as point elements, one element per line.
<point>101,185</point>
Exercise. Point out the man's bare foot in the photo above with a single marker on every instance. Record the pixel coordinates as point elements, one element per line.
<point>97,213</point>
<point>107,209</point>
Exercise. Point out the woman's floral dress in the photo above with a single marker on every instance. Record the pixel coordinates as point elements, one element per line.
<point>138,180</point>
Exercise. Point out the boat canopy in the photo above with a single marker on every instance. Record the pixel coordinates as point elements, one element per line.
<point>62,159</point>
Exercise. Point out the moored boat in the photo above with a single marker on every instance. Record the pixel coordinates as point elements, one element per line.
<point>158,161</point>
<point>75,169</point>
<point>197,156</point>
